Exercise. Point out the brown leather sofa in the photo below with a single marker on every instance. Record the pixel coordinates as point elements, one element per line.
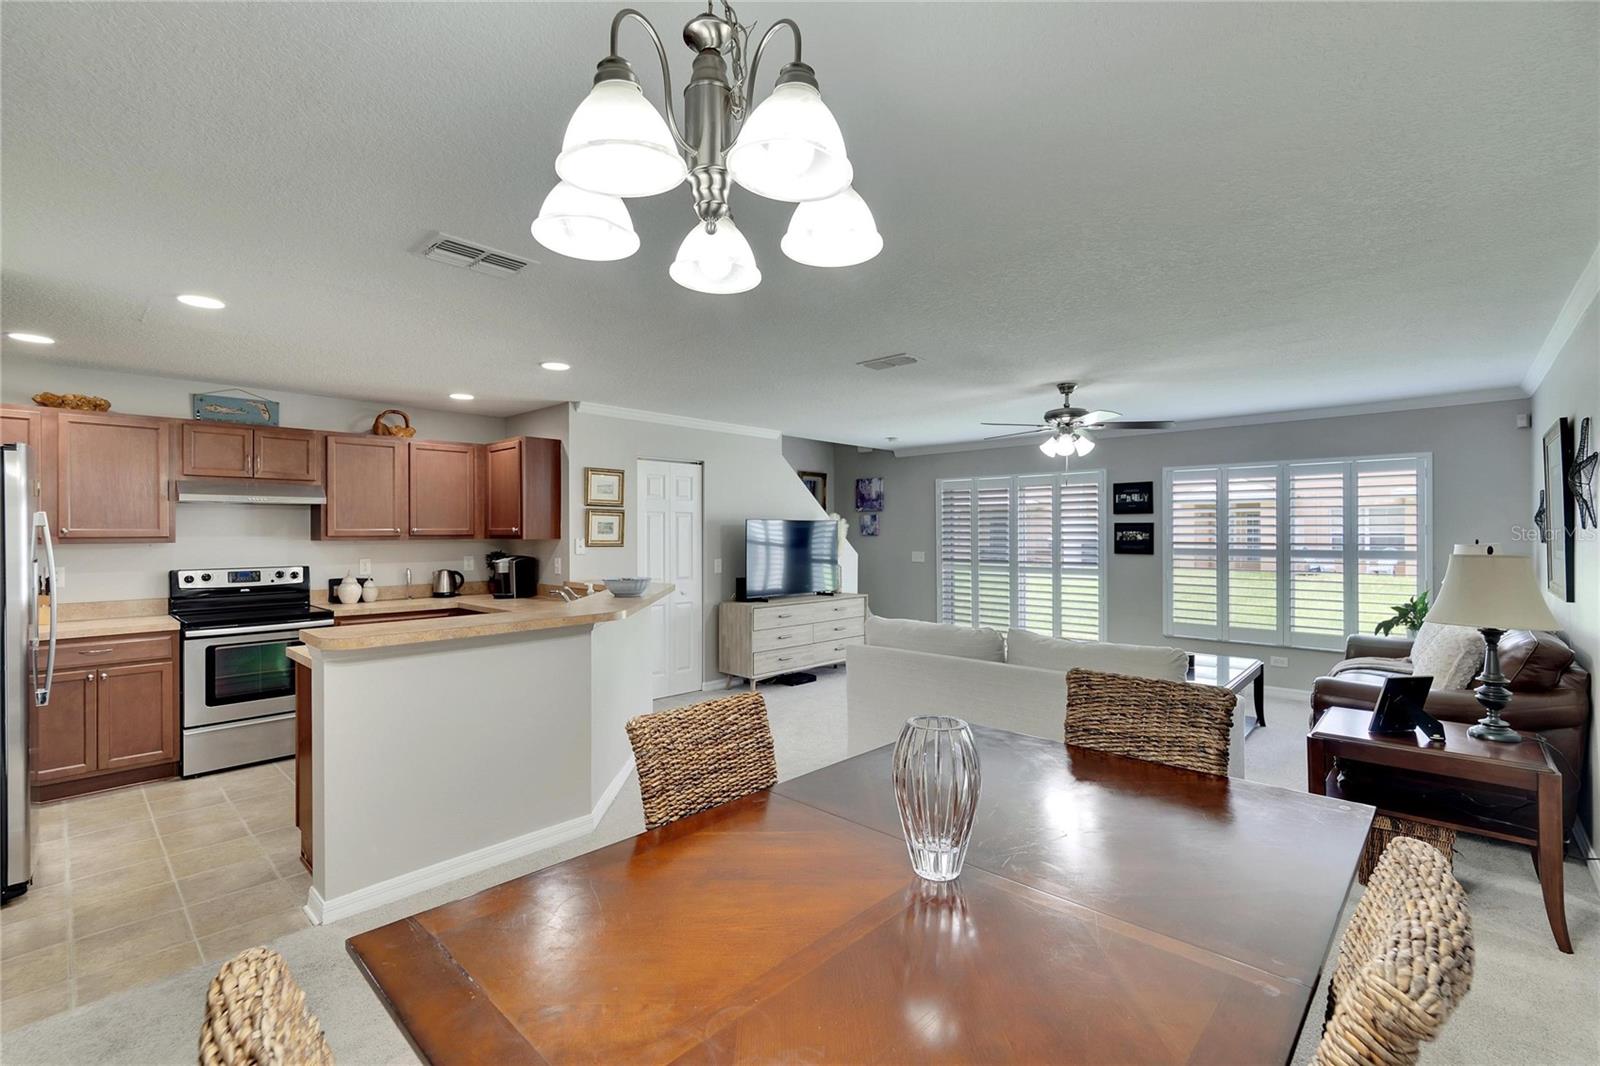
<point>1550,693</point>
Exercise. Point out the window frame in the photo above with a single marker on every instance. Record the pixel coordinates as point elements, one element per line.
<point>1350,551</point>
<point>1095,477</point>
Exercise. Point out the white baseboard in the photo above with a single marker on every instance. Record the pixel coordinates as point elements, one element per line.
<point>322,911</point>
<point>715,686</point>
<point>1301,694</point>
<point>1581,838</point>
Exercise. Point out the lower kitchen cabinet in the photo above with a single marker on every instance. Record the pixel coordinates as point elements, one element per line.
<point>110,723</point>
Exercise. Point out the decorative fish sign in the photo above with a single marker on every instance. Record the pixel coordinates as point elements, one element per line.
<point>250,410</point>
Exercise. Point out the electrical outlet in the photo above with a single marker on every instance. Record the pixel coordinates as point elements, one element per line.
<point>61,581</point>
<point>555,565</point>
<point>716,566</point>
<point>580,547</point>
<point>363,568</point>
<point>1280,661</point>
<point>469,563</point>
<point>919,557</point>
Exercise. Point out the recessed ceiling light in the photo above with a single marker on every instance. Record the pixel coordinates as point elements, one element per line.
<point>462,396</point>
<point>31,338</point>
<point>205,303</point>
<point>555,366</point>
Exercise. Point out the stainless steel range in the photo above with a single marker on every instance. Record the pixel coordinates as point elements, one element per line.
<point>238,682</point>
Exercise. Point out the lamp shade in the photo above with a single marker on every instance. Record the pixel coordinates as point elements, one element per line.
<point>1487,590</point>
<point>585,225</point>
<point>836,232</point>
<point>719,263</point>
<point>618,144</point>
<point>790,147</point>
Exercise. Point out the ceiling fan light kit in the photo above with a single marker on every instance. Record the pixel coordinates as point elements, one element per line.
<point>788,148</point>
<point>1067,425</point>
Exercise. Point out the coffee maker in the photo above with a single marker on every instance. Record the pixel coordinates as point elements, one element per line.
<point>513,576</point>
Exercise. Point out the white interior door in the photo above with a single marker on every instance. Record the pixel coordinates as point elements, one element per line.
<point>670,550</point>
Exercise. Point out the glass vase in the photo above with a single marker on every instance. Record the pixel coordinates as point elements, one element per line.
<point>936,781</point>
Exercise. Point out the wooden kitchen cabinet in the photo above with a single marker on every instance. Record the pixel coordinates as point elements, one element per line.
<point>446,496</point>
<point>32,426</point>
<point>111,722</point>
<point>367,489</point>
<point>215,449</point>
<point>524,489</point>
<point>113,477</point>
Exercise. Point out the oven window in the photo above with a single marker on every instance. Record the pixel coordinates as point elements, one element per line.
<point>237,673</point>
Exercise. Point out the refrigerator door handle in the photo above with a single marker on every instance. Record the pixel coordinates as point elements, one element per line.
<point>41,522</point>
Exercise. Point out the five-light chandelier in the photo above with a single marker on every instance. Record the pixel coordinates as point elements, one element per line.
<point>788,147</point>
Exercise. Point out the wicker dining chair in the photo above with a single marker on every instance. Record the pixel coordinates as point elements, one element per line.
<point>1172,722</point>
<point>1388,827</point>
<point>1404,963</point>
<point>695,757</point>
<point>256,1016</point>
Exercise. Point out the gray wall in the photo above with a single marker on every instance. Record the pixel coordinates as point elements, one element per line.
<point>1571,388</point>
<point>815,456</point>
<point>1481,481</point>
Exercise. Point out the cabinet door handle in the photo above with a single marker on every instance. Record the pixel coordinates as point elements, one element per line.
<point>104,676</point>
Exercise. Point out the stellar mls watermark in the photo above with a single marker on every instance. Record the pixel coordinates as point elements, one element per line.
<point>1525,534</point>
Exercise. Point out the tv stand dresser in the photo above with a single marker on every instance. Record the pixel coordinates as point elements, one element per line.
<point>761,639</point>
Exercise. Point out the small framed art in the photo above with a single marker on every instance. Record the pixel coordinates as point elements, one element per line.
<point>602,487</point>
<point>603,528</point>
<point>1134,538</point>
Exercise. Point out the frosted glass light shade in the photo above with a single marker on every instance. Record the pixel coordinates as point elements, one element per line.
<point>1082,444</point>
<point>585,225</point>
<point>618,144</point>
<point>719,263</point>
<point>1052,447</point>
<point>836,232</point>
<point>790,148</point>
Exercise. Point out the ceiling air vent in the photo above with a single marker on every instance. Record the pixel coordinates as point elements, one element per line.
<point>887,362</point>
<point>455,252</point>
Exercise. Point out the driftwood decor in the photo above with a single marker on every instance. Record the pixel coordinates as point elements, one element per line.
<point>72,401</point>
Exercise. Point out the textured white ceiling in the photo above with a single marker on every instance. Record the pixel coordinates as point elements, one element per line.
<point>1197,210</point>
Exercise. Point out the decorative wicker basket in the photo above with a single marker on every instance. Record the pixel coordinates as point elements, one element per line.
<point>384,429</point>
<point>72,401</point>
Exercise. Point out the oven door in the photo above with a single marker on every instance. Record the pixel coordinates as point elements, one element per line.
<point>228,678</point>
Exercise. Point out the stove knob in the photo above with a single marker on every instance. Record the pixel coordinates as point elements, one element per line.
<point>188,579</point>
<point>205,577</point>
<point>294,575</point>
<point>278,574</point>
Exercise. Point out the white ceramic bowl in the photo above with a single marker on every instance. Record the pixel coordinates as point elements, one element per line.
<point>626,586</point>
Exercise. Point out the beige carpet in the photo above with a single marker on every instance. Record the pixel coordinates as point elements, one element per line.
<point>1530,1004</point>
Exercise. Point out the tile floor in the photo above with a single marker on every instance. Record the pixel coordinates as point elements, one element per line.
<point>138,884</point>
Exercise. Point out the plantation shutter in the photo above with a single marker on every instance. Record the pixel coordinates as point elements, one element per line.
<point>956,520</point>
<point>1389,495</point>
<point>1079,535</point>
<point>1252,553</point>
<point>1192,588</point>
<point>994,580</point>
<point>1036,580</point>
<point>1317,564</point>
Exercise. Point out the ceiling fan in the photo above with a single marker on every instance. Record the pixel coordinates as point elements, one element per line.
<point>1066,425</point>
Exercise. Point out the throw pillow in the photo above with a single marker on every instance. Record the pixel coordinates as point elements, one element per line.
<point>1451,655</point>
<point>1132,660</point>
<point>936,638</point>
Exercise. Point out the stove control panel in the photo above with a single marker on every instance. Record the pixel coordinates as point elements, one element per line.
<point>253,577</point>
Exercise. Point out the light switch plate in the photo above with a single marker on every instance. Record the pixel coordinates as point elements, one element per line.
<point>61,580</point>
<point>555,565</point>
<point>1279,661</point>
<point>716,566</point>
<point>469,563</point>
<point>364,568</point>
<point>919,557</point>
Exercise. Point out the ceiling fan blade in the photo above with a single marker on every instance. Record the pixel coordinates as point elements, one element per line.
<point>1100,416</point>
<point>1030,425</point>
<point>1024,433</point>
<point>1140,425</point>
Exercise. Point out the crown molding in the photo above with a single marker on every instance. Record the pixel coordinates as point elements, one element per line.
<point>605,410</point>
<point>1578,301</point>
<point>1311,414</point>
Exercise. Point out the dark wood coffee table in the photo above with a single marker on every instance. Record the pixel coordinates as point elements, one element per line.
<point>1233,673</point>
<point>1342,734</point>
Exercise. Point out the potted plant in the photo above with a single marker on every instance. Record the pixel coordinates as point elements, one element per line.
<point>1408,615</point>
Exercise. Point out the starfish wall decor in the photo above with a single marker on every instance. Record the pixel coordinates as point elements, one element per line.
<point>1580,477</point>
<point>1541,519</point>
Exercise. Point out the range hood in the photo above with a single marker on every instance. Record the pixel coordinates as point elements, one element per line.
<point>247,490</point>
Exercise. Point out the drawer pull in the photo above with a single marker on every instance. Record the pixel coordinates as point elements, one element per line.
<point>784,616</point>
<point>95,651</point>
<point>785,658</point>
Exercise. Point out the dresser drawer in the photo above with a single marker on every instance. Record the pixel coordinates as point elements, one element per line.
<point>833,651</point>
<point>783,660</point>
<point>787,637</point>
<point>777,615</point>
<point>837,628</point>
<point>840,610</point>
<point>82,654</point>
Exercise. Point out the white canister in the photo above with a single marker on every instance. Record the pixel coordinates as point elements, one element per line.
<point>349,590</point>
<point>369,591</point>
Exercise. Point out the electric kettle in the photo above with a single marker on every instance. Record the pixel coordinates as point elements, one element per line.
<point>448,582</point>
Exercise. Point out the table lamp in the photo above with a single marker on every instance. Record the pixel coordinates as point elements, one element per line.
<point>1491,593</point>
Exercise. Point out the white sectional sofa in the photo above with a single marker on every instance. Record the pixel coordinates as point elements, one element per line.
<point>1015,680</point>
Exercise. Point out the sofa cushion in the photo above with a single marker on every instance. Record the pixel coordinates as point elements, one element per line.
<point>1533,661</point>
<point>936,638</point>
<point>1451,655</point>
<point>1133,660</point>
<point>1371,664</point>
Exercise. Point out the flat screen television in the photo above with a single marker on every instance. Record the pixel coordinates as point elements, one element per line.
<point>786,557</point>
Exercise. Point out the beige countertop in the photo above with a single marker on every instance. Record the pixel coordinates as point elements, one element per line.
<point>490,618</point>
<point>71,629</point>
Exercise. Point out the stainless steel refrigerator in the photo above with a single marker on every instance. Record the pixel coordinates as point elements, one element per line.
<point>29,569</point>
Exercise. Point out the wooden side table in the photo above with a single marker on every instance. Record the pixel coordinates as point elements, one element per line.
<point>1342,734</point>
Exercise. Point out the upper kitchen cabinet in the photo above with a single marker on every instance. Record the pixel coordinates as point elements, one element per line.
<point>366,484</point>
<point>29,426</point>
<point>524,489</point>
<point>113,477</point>
<point>214,449</point>
<point>446,489</point>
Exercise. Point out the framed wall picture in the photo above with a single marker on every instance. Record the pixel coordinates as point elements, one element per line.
<point>869,524</point>
<point>1558,540</point>
<point>1133,497</point>
<point>602,487</point>
<point>869,493</point>
<point>1134,538</point>
<point>817,484</point>
<point>603,528</point>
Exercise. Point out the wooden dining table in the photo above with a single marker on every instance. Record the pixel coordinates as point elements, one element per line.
<point>1110,911</point>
